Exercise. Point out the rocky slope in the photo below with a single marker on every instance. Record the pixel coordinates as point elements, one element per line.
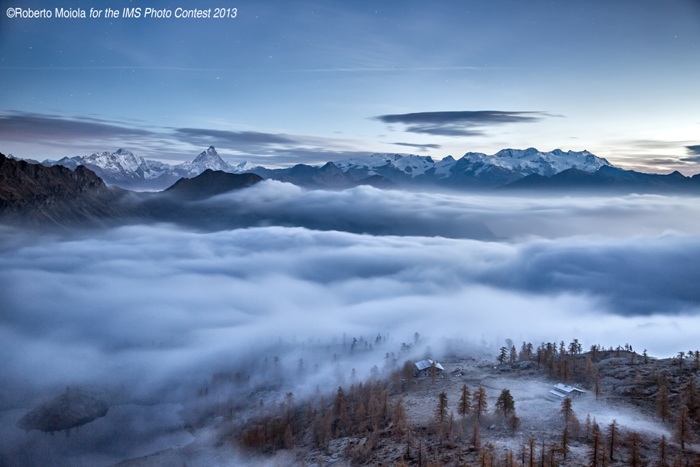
<point>35,194</point>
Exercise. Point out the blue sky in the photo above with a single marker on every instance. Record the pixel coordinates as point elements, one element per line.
<point>311,81</point>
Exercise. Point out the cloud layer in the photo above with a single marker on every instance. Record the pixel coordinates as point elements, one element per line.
<point>150,313</point>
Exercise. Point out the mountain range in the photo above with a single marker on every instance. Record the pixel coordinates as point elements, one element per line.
<point>524,169</point>
<point>473,170</point>
<point>125,169</point>
<point>34,193</point>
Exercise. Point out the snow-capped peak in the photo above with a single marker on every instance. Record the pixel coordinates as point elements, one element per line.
<point>208,159</point>
<point>517,162</point>
<point>209,154</point>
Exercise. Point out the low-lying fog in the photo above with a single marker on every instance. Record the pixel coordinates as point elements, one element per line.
<point>151,312</point>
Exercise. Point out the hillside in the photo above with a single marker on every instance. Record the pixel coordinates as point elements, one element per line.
<point>35,194</point>
<point>397,418</point>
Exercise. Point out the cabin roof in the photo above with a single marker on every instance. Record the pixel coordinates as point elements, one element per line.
<point>424,364</point>
<point>568,389</point>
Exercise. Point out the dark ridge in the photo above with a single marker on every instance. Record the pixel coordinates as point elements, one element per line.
<point>607,179</point>
<point>34,194</point>
<point>210,183</point>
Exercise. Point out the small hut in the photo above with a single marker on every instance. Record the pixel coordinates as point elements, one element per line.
<point>423,368</point>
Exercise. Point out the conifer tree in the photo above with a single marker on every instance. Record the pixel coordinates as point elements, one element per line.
<point>502,355</point>
<point>691,398</point>
<point>399,417</point>
<point>613,434</point>
<point>596,447</point>
<point>288,438</point>
<point>505,405</point>
<point>634,442</point>
<point>684,432</point>
<point>567,411</point>
<point>340,412</point>
<point>565,441</point>
<point>663,407</point>
<point>480,403</point>
<point>663,448</point>
<point>441,410</point>
<point>513,423</point>
<point>464,405</point>
<point>476,439</point>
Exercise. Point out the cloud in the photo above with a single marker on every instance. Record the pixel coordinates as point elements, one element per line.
<point>232,139</point>
<point>57,136</point>
<point>460,123</point>
<point>655,155</point>
<point>694,152</point>
<point>149,313</point>
<point>420,147</point>
<point>23,126</point>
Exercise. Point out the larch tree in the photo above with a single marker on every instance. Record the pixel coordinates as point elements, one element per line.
<point>613,435</point>
<point>634,442</point>
<point>596,448</point>
<point>399,417</point>
<point>441,409</point>
<point>340,412</point>
<point>480,403</point>
<point>513,423</point>
<point>663,406</point>
<point>684,432</point>
<point>464,405</point>
<point>663,451</point>
<point>565,442</point>
<point>476,438</point>
<point>567,411</point>
<point>691,398</point>
<point>532,443</point>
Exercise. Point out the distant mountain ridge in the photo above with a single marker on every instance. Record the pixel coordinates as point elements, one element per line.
<point>125,169</point>
<point>608,179</point>
<point>473,170</point>
<point>34,195</point>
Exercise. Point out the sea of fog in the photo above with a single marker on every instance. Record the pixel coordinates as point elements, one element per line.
<point>149,313</point>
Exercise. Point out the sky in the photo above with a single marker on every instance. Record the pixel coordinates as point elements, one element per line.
<point>312,81</point>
